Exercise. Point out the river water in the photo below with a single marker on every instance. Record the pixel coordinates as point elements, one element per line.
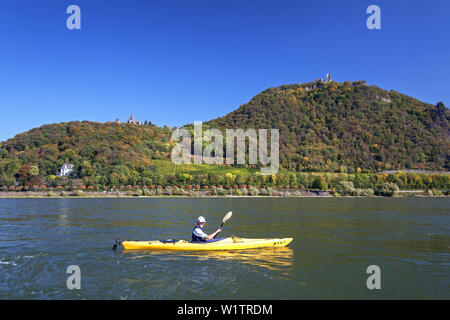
<point>335,240</point>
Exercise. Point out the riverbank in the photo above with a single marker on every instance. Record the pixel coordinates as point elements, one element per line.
<point>209,194</point>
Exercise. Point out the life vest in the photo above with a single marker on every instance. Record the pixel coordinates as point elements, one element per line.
<point>195,238</point>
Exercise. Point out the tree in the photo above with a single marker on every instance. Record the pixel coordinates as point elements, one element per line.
<point>13,167</point>
<point>34,171</point>
<point>7,180</point>
<point>33,181</point>
<point>214,178</point>
<point>320,183</point>
<point>229,178</point>
<point>23,173</point>
<point>240,179</point>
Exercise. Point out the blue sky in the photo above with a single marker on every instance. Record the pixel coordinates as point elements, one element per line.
<point>174,62</point>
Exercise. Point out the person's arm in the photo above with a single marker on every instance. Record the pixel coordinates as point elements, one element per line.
<point>212,235</point>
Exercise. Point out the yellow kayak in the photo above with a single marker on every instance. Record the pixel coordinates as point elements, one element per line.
<point>229,243</point>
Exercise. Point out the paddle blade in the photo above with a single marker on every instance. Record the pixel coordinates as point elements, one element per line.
<point>227,216</point>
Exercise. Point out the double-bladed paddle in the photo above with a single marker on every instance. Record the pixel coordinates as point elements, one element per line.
<point>225,219</point>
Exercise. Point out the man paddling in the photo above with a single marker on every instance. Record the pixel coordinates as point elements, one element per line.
<point>199,235</point>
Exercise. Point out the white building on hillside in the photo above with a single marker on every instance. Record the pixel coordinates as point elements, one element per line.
<point>66,169</point>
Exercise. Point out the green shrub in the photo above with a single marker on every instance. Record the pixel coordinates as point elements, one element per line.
<point>365,192</point>
<point>139,192</point>
<point>387,189</point>
<point>346,188</point>
<point>262,192</point>
<point>177,191</point>
<point>221,192</point>
<point>254,191</point>
<point>79,193</point>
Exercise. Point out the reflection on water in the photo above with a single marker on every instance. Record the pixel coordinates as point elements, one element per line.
<point>275,259</point>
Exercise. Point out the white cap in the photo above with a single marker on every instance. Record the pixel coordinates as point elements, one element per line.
<point>201,219</point>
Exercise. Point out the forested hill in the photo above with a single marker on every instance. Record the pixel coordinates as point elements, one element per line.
<point>103,150</point>
<point>334,127</point>
<point>342,126</point>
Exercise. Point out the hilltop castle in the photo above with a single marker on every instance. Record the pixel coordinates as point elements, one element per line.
<point>131,120</point>
<point>320,82</point>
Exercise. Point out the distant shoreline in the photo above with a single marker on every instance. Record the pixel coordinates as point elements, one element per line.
<point>111,195</point>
